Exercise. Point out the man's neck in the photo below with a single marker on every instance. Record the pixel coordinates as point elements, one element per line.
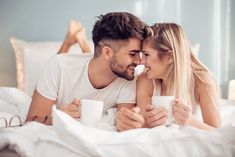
<point>100,74</point>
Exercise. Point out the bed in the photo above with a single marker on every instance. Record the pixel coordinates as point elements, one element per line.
<point>68,137</point>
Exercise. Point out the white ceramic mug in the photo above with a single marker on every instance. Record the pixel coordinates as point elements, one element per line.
<point>91,112</point>
<point>167,102</point>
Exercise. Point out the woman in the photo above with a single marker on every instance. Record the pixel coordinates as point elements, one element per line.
<point>171,68</point>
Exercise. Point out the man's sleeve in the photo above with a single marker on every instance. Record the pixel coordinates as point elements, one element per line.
<point>48,84</point>
<point>128,93</point>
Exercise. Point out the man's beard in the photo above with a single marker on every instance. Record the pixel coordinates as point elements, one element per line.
<point>117,70</point>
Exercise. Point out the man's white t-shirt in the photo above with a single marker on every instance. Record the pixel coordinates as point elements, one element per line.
<point>67,78</point>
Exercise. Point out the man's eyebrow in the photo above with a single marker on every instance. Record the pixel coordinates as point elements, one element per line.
<point>136,51</point>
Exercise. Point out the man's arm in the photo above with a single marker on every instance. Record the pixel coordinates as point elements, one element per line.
<point>40,108</point>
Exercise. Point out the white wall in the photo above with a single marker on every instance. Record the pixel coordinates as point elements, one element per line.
<point>209,23</point>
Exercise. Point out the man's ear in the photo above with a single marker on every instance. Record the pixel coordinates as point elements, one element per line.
<point>107,52</point>
<point>170,57</point>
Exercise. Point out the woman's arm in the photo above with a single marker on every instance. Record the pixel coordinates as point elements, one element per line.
<point>144,92</point>
<point>153,116</point>
<point>207,96</point>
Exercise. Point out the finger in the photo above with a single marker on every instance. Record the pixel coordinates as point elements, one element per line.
<point>177,109</point>
<point>180,102</point>
<point>149,107</point>
<point>158,122</point>
<point>123,124</point>
<point>131,118</point>
<point>132,115</point>
<point>178,116</point>
<point>183,108</point>
<point>63,107</point>
<point>121,118</point>
<point>72,107</point>
<point>136,109</point>
<point>155,112</point>
<point>74,114</point>
<point>157,116</point>
<point>120,127</point>
<point>76,102</point>
<point>179,121</point>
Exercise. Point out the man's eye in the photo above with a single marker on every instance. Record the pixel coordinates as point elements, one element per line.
<point>132,54</point>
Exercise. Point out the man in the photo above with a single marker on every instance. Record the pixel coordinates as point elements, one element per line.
<point>108,76</point>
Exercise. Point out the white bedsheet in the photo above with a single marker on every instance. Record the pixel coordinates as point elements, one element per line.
<point>161,141</point>
<point>69,138</point>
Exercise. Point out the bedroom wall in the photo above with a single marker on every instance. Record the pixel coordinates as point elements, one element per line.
<point>47,21</point>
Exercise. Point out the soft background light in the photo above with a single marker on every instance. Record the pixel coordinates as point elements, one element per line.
<point>209,23</point>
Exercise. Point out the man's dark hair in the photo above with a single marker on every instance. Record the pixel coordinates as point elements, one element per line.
<point>116,26</point>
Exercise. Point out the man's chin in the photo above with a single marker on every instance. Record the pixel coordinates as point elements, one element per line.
<point>128,77</point>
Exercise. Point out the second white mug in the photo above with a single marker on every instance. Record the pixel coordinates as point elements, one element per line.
<point>167,102</point>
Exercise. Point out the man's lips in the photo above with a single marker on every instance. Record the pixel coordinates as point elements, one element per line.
<point>132,67</point>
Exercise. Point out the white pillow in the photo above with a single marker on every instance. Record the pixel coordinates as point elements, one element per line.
<point>31,58</point>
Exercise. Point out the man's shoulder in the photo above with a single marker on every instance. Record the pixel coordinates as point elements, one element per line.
<point>72,59</point>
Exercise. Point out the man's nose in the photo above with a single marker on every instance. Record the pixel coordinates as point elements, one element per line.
<point>137,59</point>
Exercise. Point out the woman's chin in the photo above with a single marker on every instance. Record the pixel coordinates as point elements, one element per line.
<point>149,75</point>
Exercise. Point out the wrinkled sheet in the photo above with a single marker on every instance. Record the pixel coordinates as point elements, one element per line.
<point>161,141</point>
<point>68,137</point>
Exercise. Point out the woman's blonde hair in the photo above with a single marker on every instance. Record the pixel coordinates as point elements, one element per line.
<point>166,37</point>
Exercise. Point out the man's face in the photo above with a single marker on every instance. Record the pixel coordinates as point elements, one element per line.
<point>124,61</point>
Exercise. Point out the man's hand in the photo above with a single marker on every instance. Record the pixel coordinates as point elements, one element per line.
<point>73,109</point>
<point>129,119</point>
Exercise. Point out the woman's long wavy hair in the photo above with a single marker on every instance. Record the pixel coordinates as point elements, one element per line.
<point>166,37</point>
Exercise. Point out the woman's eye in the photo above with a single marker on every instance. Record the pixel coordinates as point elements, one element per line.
<point>146,54</point>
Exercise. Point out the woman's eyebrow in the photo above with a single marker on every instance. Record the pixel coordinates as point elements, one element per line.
<point>145,51</point>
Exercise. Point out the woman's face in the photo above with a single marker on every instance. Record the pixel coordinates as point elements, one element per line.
<point>156,68</point>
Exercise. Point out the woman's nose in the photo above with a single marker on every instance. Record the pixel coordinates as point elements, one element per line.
<point>142,60</point>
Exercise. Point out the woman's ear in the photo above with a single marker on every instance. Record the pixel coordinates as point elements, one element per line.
<point>107,52</point>
<point>170,57</point>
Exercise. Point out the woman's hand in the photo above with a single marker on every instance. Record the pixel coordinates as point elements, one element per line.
<point>127,119</point>
<point>73,109</point>
<point>155,116</point>
<point>182,112</point>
